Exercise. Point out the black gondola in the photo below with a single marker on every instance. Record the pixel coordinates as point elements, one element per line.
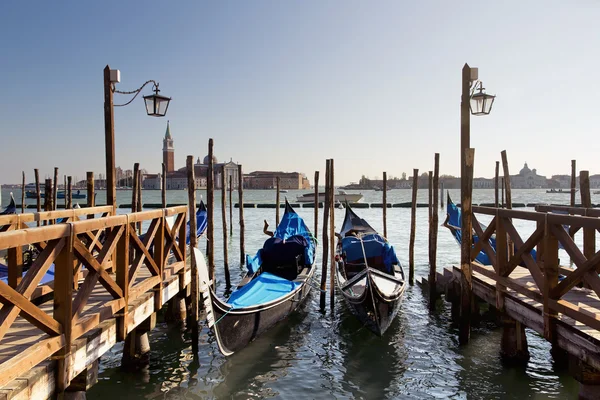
<point>277,282</point>
<point>11,208</point>
<point>368,273</point>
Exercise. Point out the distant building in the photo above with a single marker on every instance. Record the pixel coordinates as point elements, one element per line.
<point>528,179</point>
<point>152,181</point>
<point>168,150</point>
<point>268,180</point>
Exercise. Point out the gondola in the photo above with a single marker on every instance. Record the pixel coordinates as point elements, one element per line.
<point>278,280</point>
<point>368,273</point>
<point>11,208</point>
<point>453,223</point>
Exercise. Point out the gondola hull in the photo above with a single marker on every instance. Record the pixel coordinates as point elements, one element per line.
<point>237,328</point>
<point>373,309</point>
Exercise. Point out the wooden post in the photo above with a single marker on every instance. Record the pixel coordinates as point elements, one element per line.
<point>413,228</point>
<point>466,243</point>
<point>193,239</point>
<point>496,203</point>
<point>109,141</point>
<point>163,186</point>
<point>37,192</point>
<point>91,195</point>
<point>506,179</point>
<point>210,207</point>
<point>324,238</point>
<point>574,181</point>
<point>589,234</point>
<point>224,218</point>
<point>69,193</point>
<point>241,208</point>
<point>54,189</point>
<point>550,267</point>
<point>430,195</point>
<point>277,203</point>
<point>433,231</point>
<point>502,187</point>
<point>442,195</point>
<point>65,190</point>
<point>331,234</point>
<point>23,194</point>
<point>230,208</point>
<point>48,195</point>
<point>139,199</point>
<point>385,204</point>
<point>134,189</point>
<point>316,230</point>
<point>465,120</point>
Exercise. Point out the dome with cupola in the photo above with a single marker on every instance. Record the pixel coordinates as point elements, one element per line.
<point>206,160</point>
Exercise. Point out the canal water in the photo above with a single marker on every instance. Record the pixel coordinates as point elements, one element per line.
<point>315,355</point>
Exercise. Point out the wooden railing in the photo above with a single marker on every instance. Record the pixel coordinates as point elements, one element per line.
<point>112,256</point>
<point>512,250</point>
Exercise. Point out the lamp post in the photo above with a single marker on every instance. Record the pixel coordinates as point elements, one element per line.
<point>478,103</point>
<point>156,106</point>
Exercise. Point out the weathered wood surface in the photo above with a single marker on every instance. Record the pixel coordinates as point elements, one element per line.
<point>76,326</point>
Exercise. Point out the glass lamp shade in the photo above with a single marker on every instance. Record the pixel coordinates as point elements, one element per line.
<point>481,103</point>
<point>156,105</point>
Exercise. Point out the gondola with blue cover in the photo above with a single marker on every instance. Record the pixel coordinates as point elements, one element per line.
<point>11,208</point>
<point>368,273</point>
<point>277,282</point>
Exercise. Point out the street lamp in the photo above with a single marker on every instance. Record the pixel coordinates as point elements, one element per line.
<point>479,103</point>
<point>156,106</point>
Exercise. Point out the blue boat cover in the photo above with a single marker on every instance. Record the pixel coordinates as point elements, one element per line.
<point>48,276</point>
<point>201,223</point>
<point>375,247</point>
<point>291,224</point>
<point>262,289</point>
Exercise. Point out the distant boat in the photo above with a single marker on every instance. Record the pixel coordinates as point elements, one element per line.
<point>381,189</point>
<point>341,197</point>
<point>561,191</point>
<point>283,191</point>
<point>597,192</point>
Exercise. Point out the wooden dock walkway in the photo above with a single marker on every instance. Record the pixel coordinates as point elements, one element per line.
<point>528,286</point>
<point>52,335</point>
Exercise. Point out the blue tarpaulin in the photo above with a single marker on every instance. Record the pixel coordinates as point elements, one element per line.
<point>375,246</point>
<point>264,288</point>
<point>48,276</point>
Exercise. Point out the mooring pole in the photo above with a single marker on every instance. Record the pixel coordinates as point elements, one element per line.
<point>241,208</point>
<point>506,180</point>
<point>466,293</point>
<point>384,204</point>
<point>230,208</point>
<point>163,186</point>
<point>324,238</point>
<point>224,218</point>
<point>433,232</point>
<point>277,203</point>
<point>69,194</point>
<point>496,204</point>
<point>109,141</point>
<point>134,189</point>
<point>65,191</point>
<point>195,312</point>
<point>210,194</point>
<point>91,195</point>
<point>48,195</point>
<point>55,189</point>
<point>37,192</point>
<point>413,219</point>
<point>574,181</point>
<point>331,235</point>
<point>316,230</point>
<point>23,194</point>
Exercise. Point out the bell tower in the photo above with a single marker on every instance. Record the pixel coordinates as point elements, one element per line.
<point>168,150</point>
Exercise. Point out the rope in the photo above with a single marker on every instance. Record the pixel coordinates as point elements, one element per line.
<point>223,316</point>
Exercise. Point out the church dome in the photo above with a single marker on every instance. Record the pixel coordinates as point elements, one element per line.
<point>525,170</point>
<point>206,160</point>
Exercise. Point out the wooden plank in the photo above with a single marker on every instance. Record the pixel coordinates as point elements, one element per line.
<point>140,288</point>
<point>29,358</point>
<point>10,297</point>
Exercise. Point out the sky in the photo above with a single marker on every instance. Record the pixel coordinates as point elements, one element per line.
<point>284,85</point>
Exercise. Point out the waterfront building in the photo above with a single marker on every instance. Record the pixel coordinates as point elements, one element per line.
<point>152,181</point>
<point>268,180</point>
<point>168,150</point>
<point>528,179</point>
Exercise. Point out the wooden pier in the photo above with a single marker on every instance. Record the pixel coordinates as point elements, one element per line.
<point>108,285</point>
<point>534,290</point>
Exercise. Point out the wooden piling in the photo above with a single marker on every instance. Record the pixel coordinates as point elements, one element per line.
<point>466,243</point>
<point>433,232</point>
<point>277,202</point>
<point>430,194</point>
<point>316,230</point>
<point>442,195</point>
<point>502,188</point>
<point>193,241</point>
<point>224,218</point>
<point>54,189</point>
<point>230,207</point>
<point>23,194</point>
<point>413,228</point>
<point>324,237</point>
<point>573,181</point>
<point>589,234</point>
<point>69,193</point>
<point>65,191</point>
<point>139,199</point>
<point>48,195</point>
<point>385,204</point>
<point>91,195</point>
<point>134,189</point>
<point>241,209</point>
<point>331,234</point>
<point>37,192</point>
<point>163,186</point>
<point>210,215</point>
<point>506,180</point>
<point>496,203</point>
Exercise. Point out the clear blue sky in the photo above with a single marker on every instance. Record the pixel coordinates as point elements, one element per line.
<point>283,85</point>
